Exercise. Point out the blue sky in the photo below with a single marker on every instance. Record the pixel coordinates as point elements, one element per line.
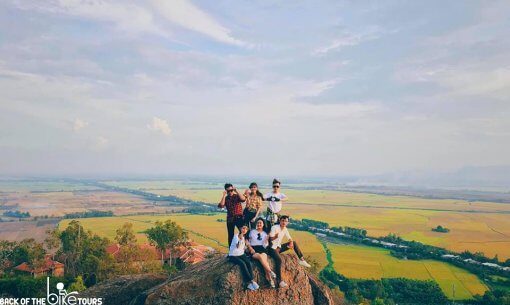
<point>253,87</point>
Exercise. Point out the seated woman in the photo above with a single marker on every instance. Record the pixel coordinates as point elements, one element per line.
<point>237,256</point>
<point>258,242</point>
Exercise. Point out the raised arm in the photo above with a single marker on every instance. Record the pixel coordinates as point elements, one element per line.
<point>258,213</point>
<point>241,196</point>
<point>221,205</point>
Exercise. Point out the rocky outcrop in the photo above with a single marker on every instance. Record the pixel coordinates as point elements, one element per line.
<point>124,289</point>
<point>215,281</point>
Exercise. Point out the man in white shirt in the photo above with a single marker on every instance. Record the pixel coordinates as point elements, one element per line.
<point>275,201</point>
<point>274,206</point>
<point>278,232</point>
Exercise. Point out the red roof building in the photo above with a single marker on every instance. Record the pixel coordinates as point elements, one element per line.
<point>49,267</point>
<point>190,252</point>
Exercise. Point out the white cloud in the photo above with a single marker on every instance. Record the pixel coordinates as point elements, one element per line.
<point>328,107</point>
<point>79,124</point>
<point>102,141</point>
<point>333,111</point>
<point>464,62</point>
<point>159,125</point>
<point>465,77</point>
<point>310,89</point>
<point>345,41</point>
<point>126,17</point>
<point>189,16</point>
<point>489,83</point>
<point>348,39</point>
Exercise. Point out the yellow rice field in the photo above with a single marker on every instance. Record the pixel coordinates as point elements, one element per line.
<point>203,229</point>
<point>477,232</point>
<point>350,260</point>
<point>482,229</point>
<point>364,262</point>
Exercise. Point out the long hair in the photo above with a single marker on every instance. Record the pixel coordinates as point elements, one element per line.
<point>263,223</point>
<point>258,192</point>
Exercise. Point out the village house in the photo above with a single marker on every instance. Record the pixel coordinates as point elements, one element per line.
<point>48,267</point>
<point>190,252</point>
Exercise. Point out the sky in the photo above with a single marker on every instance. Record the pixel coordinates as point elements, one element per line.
<point>253,87</point>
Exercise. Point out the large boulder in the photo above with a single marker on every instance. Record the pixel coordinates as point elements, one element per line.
<point>215,281</point>
<point>124,289</point>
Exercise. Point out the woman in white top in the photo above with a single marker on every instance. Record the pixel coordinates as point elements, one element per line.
<point>274,207</point>
<point>258,242</point>
<point>237,256</point>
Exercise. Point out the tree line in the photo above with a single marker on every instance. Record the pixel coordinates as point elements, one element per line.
<point>85,257</point>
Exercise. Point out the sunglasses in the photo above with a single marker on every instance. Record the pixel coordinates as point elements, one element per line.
<point>259,237</point>
<point>230,191</point>
<point>276,186</point>
<point>253,187</point>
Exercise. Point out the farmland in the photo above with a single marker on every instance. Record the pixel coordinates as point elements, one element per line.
<point>57,198</point>
<point>353,261</point>
<point>339,198</point>
<point>474,226</point>
<point>204,229</point>
<point>362,262</point>
<point>12,186</point>
<point>488,233</point>
<point>19,230</point>
<point>210,192</point>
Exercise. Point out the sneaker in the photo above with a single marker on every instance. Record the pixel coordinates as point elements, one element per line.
<point>273,275</point>
<point>251,287</point>
<point>271,282</point>
<point>255,285</point>
<point>303,263</point>
<point>283,284</point>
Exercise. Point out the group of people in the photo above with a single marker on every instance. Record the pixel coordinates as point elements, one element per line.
<point>260,235</point>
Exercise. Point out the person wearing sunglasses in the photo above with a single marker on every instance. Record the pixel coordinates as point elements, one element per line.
<point>274,207</point>
<point>253,207</point>
<point>237,255</point>
<point>231,200</point>
<point>278,232</point>
<point>258,240</point>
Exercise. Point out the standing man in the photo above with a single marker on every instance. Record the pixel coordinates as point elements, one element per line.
<point>278,232</point>
<point>231,199</point>
<point>275,198</point>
